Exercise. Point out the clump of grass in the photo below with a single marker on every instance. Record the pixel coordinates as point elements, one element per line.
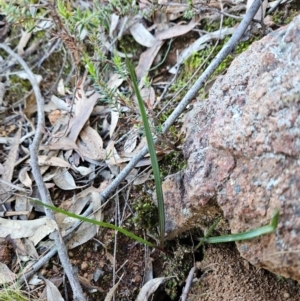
<point>15,293</point>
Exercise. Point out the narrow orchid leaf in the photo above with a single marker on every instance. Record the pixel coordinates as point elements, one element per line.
<point>246,235</point>
<point>152,152</point>
<point>98,223</point>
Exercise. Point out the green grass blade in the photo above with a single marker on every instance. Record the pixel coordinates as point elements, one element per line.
<point>154,162</point>
<point>203,239</point>
<point>94,222</point>
<point>246,235</point>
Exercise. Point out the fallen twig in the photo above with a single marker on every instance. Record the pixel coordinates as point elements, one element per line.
<point>44,193</point>
<point>188,284</point>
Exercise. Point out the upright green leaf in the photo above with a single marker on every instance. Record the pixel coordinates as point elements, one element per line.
<point>154,162</point>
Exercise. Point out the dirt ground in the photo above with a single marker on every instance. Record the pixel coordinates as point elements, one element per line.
<point>225,275</point>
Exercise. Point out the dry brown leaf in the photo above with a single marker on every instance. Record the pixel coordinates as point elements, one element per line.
<point>21,229</point>
<point>9,164</point>
<point>22,204</point>
<point>142,35</point>
<point>53,293</point>
<point>131,142</point>
<point>61,87</point>
<point>37,281</point>
<point>146,59</point>
<point>83,109</point>
<point>90,144</point>
<point>13,186</point>
<point>84,171</point>
<point>132,175</point>
<point>53,161</point>
<point>112,291</point>
<point>84,233</point>
<point>115,81</point>
<point>76,206</point>
<point>87,283</point>
<point>114,121</point>
<point>149,288</point>
<point>110,257</point>
<point>19,246</point>
<point>148,96</point>
<point>23,42</point>
<point>2,93</point>
<point>142,178</point>
<point>24,177</point>
<point>64,180</point>
<point>64,143</point>
<point>54,116</point>
<point>30,105</point>
<point>260,15</point>
<point>57,103</point>
<point>30,249</point>
<point>100,110</point>
<point>113,24</point>
<point>6,275</point>
<point>96,200</point>
<point>176,30</point>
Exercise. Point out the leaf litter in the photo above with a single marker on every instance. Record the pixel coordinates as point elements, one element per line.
<point>84,140</point>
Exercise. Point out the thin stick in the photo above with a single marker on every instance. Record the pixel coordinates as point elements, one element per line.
<point>188,284</point>
<point>44,193</point>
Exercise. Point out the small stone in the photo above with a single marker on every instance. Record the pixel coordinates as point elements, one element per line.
<point>44,272</point>
<point>286,295</point>
<point>55,269</point>
<point>84,265</point>
<point>98,274</point>
<point>88,254</point>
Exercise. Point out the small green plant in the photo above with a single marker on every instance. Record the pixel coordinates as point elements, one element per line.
<point>22,11</point>
<point>218,239</point>
<point>94,222</point>
<point>239,236</point>
<point>14,293</point>
<point>152,152</point>
<point>146,213</point>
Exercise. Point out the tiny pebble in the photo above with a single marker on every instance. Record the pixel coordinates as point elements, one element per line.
<point>55,269</point>
<point>84,265</point>
<point>44,272</point>
<point>97,274</point>
<point>286,295</point>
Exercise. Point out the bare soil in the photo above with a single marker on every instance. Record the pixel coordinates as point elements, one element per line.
<point>225,275</point>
